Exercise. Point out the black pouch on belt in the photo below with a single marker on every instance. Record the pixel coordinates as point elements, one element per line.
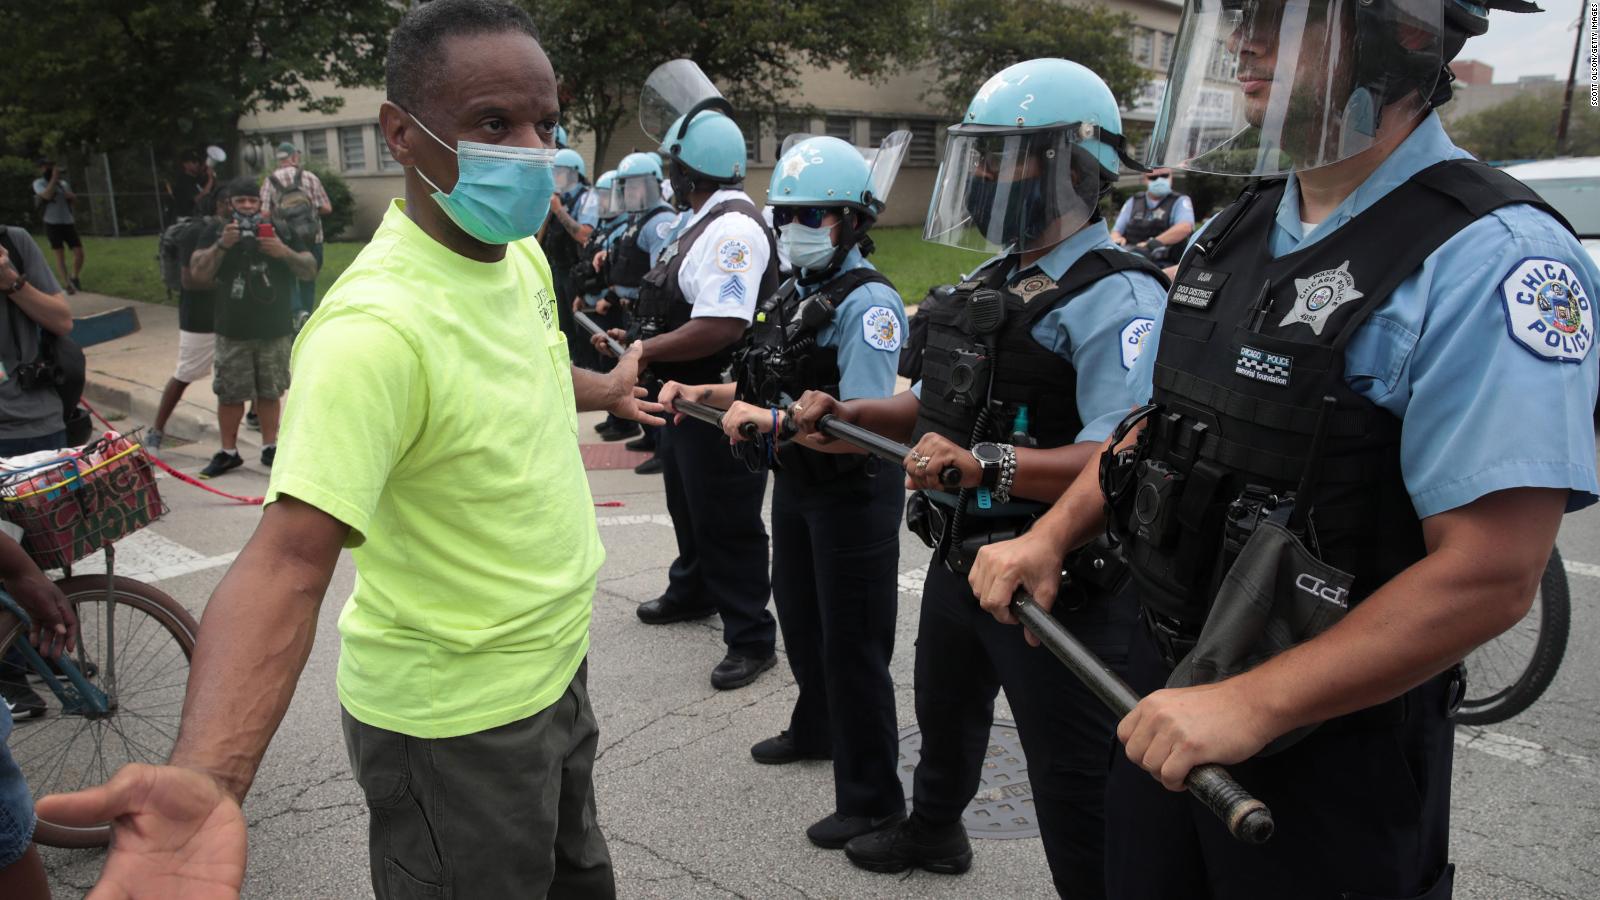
<point>1275,595</point>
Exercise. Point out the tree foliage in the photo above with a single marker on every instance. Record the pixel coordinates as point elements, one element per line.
<point>1525,128</point>
<point>113,73</point>
<point>971,40</point>
<point>752,49</point>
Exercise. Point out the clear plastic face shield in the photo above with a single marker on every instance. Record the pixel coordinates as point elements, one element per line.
<point>1268,87</point>
<point>1013,192</point>
<point>674,89</point>
<point>883,163</point>
<point>636,193</point>
<point>606,202</point>
<point>566,179</point>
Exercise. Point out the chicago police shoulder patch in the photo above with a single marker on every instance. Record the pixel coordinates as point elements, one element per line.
<point>1548,310</point>
<point>880,328</point>
<point>1134,335</point>
<point>733,255</point>
<point>664,228</point>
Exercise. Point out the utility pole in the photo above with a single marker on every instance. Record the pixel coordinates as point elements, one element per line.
<point>1572,76</point>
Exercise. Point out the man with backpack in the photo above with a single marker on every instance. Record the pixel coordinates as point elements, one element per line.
<point>295,200</point>
<point>196,342</point>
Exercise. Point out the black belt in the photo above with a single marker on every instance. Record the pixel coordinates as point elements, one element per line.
<point>1173,639</point>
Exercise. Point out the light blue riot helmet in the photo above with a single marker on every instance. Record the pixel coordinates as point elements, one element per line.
<point>638,184</point>
<point>605,197</point>
<point>1025,167</point>
<point>570,170</point>
<point>561,138</point>
<point>684,111</point>
<point>819,175</point>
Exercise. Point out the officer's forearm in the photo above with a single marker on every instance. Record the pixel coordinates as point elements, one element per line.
<point>1177,234</point>
<point>1483,565</point>
<point>1045,475</point>
<point>697,339</point>
<point>893,417</point>
<point>1080,513</point>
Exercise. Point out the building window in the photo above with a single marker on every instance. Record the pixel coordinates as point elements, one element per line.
<point>1167,40</point>
<point>386,162</point>
<point>878,129</point>
<point>924,150</point>
<point>1143,46</point>
<point>841,127</point>
<point>791,123</point>
<point>317,146</point>
<point>353,148</point>
<point>282,137</point>
<point>750,126</point>
<point>1223,64</point>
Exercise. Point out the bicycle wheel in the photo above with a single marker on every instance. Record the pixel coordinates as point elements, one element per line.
<point>1506,675</point>
<point>140,644</point>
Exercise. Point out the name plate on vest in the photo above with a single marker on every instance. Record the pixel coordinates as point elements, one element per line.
<point>1197,287</point>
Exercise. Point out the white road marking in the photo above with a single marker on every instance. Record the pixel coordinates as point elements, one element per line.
<point>646,519</point>
<point>1582,568</point>
<point>1525,752</point>
<point>149,557</point>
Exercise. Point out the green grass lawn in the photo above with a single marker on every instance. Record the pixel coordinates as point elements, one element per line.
<point>127,267</point>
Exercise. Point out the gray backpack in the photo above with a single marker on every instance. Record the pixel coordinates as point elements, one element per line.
<point>294,215</point>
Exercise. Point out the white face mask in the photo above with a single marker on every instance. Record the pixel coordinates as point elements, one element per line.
<point>807,248</point>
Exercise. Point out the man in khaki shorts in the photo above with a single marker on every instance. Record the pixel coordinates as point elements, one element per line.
<point>254,271</point>
<point>196,313</point>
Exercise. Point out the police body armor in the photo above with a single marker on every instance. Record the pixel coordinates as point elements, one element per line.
<point>628,260</point>
<point>974,385</point>
<point>1251,357</point>
<point>585,279</point>
<point>1146,221</point>
<point>781,360</point>
<point>662,307</point>
<point>559,247</point>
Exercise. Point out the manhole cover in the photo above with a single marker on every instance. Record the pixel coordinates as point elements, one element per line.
<point>1003,806</point>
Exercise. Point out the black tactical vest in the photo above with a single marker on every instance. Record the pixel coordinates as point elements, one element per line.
<point>628,261</point>
<point>1146,221</point>
<point>663,308</point>
<point>960,371</point>
<point>781,360</point>
<point>1250,347</point>
<point>560,249</point>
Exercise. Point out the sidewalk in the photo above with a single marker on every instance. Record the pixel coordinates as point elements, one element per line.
<point>128,374</point>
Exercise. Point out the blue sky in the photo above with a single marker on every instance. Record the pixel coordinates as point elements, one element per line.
<point>1538,44</point>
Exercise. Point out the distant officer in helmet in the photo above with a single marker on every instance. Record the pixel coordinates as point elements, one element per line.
<point>693,308</point>
<point>836,327</point>
<point>572,220</point>
<point>594,297</point>
<point>1355,386</point>
<point>1024,374</point>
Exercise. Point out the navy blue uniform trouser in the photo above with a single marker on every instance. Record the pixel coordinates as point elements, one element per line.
<point>715,502</point>
<point>1362,809</point>
<point>835,567</point>
<point>964,657</point>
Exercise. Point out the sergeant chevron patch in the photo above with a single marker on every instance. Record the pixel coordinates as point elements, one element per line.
<point>732,290</point>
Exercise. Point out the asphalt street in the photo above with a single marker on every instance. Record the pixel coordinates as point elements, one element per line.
<point>688,814</point>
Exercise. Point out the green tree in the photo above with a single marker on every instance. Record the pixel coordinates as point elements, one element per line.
<point>973,39</point>
<point>114,73</point>
<point>1525,128</point>
<point>602,52</point>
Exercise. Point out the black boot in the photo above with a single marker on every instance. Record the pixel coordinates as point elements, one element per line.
<point>914,843</point>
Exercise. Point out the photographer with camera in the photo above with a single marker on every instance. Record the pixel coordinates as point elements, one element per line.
<point>54,195</point>
<point>254,271</point>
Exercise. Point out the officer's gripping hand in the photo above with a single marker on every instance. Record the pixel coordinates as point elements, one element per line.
<point>627,398</point>
<point>599,260</point>
<point>809,410</point>
<point>673,391</point>
<point>1175,729</point>
<point>742,413</point>
<point>604,348</point>
<point>175,833</point>
<point>1029,562</point>
<point>931,456</point>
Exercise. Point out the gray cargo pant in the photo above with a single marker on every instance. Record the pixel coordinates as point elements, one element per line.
<point>507,812</point>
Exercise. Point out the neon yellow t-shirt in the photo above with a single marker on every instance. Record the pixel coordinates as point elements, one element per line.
<point>432,412</point>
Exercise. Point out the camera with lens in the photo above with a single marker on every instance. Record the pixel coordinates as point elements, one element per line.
<point>969,378</point>
<point>249,226</point>
<point>1155,502</point>
<point>37,375</point>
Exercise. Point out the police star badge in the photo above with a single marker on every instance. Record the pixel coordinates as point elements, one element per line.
<point>1317,297</point>
<point>1032,286</point>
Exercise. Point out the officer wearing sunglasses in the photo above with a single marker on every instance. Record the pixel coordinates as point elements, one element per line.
<point>1023,373</point>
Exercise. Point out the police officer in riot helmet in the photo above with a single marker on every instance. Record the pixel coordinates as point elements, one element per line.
<point>693,308</point>
<point>837,327</point>
<point>1340,487</point>
<point>1024,373</point>
<point>1156,223</point>
<point>572,220</point>
<point>589,278</point>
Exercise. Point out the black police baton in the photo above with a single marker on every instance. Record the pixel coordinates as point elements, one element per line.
<point>1247,818</point>
<point>877,445</point>
<point>593,327</point>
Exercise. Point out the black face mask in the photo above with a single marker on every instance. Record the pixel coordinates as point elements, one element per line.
<point>682,185</point>
<point>1025,204</point>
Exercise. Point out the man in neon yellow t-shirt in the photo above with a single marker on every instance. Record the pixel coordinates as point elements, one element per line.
<point>433,431</point>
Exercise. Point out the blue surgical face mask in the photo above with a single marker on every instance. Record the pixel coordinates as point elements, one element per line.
<point>807,248</point>
<point>1159,187</point>
<point>502,194</point>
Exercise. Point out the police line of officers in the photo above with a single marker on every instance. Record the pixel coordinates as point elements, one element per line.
<point>1380,353</point>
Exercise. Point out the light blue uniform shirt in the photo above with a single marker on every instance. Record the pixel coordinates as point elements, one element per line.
<point>658,230</point>
<point>1102,332</point>
<point>588,211</point>
<point>1182,211</point>
<point>867,330</point>
<point>1481,411</point>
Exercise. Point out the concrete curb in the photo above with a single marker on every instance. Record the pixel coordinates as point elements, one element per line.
<point>139,402</point>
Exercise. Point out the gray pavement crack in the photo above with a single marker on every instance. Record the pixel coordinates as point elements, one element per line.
<point>728,715</point>
<point>698,876</point>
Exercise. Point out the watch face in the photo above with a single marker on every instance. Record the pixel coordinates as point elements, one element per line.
<point>988,454</point>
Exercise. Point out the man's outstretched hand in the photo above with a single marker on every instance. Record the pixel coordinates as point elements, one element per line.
<point>176,834</point>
